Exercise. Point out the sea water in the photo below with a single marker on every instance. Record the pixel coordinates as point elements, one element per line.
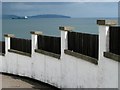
<point>49,26</point>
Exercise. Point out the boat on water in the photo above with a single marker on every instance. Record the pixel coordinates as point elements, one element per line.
<point>25,17</point>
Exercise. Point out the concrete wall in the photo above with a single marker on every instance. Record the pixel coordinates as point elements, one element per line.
<point>47,69</point>
<point>78,73</point>
<point>0,63</point>
<point>68,71</point>
<point>108,74</point>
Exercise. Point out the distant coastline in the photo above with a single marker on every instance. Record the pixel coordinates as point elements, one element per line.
<point>35,16</point>
<point>50,16</point>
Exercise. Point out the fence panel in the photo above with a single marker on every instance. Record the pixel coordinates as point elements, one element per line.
<point>2,47</point>
<point>114,41</point>
<point>50,44</point>
<point>19,44</point>
<point>86,44</point>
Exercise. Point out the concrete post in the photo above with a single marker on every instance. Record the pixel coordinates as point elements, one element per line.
<point>7,41</point>
<point>104,65</point>
<point>64,45</point>
<point>104,35</point>
<point>34,35</point>
<point>64,39</point>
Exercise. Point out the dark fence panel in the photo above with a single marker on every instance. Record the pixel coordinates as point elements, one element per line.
<point>50,44</point>
<point>19,44</point>
<point>2,47</point>
<point>86,44</point>
<point>114,41</point>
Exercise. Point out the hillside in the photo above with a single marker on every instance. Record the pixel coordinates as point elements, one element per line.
<point>36,16</point>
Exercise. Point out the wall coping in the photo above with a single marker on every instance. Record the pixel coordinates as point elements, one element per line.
<point>66,28</point>
<point>36,32</point>
<point>81,56</point>
<point>107,22</point>
<point>9,35</point>
<point>112,56</point>
<point>20,52</point>
<point>48,53</point>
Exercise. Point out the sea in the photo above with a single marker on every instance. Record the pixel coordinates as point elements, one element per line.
<point>48,26</point>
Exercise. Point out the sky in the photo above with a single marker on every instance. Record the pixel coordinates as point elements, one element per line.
<point>73,9</point>
<point>60,0</point>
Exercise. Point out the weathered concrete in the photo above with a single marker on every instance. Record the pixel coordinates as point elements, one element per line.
<point>81,56</point>
<point>112,56</point>
<point>19,52</point>
<point>48,53</point>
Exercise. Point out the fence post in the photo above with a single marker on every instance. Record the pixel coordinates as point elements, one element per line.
<point>7,41</point>
<point>64,37</point>
<point>34,37</point>
<point>104,35</point>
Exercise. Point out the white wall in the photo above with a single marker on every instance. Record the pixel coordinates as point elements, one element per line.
<point>69,72</point>
<point>47,69</point>
<point>16,64</point>
<point>0,63</point>
<point>108,73</point>
<point>78,73</point>
<point>66,72</point>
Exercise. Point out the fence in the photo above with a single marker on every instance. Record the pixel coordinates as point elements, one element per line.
<point>23,45</point>
<point>50,44</point>
<point>114,41</point>
<point>2,47</point>
<point>86,44</point>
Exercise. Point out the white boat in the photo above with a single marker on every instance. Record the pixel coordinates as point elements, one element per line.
<point>25,17</point>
